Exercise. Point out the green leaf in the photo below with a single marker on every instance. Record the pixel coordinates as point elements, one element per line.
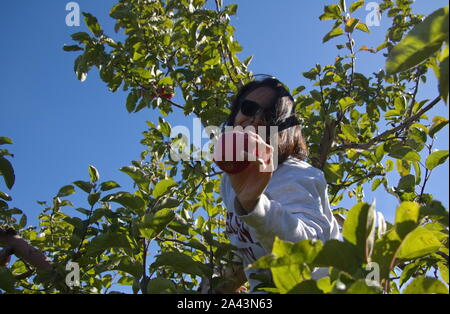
<point>119,11</point>
<point>81,67</point>
<point>84,185</point>
<point>438,124</point>
<point>359,228</point>
<point>165,81</point>
<point>162,187</point>
<point>360,287</point>
<point>7,280</point>
<point>416,138</point>
<point>287,277</point>
<point>418,243</point>
<point>443,267</point>
<point>350,133</point>
<point>346,102</point>
<point>66,190</point>
<point>286,262</point>
<point>160,285</point>
<point>333,172</point>
<point>92,24</point>
<point>5,196</point>
<point>403,167</point>
<point>93,198</point>
<point>389,165</point>
<point>376,183</point>
<point>426,285</point>
<point>131,101</point>
<point>306,287</point>
<point>180,225</point>
<point>285,253</point>
<point>81,37</point>
<point>22,222</point>
<point>7,171</point>
<point>363,27</point>
<point>143,73</point>
<point>109,185</point>
<point>342,255</point>
<point>83,211</point>
<point>134,173</point>
<point>356,5</point>
<point>343,5</point>
<point>152,224</point>
<point>311,75</point>
<point>126,199</point>
<point>384,252</point>
<point>72,48</point>
<point>409,270</point>
<point>331,12</point>
<point>5,140</point>
<point>231,9</point>
<point>350,25</point>
<point>129,266</point>
<point>406,218</point>
<point>180,263</point>
<point>421,42</point>
<point>404,153</point>
<point>333,33</point>
<point>407,183</point>
<point>435,210</point>
<point>168,203</point>
<point>107,241</point>
<point>164,127</point>
<point>93,174</point>
<point>443,79</point>
<point>436,159</point>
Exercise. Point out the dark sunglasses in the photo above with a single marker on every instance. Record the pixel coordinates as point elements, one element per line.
<point>250,108</point>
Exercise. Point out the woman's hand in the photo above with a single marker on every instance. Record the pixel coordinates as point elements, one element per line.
<point>250,184</point>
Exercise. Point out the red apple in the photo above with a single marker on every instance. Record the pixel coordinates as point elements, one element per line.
<point>165,92</point>
<point>227,151</point>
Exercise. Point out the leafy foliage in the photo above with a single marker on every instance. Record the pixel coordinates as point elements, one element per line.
<point>358,127</point>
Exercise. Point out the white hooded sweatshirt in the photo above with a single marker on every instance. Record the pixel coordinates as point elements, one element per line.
<point>294,207</point>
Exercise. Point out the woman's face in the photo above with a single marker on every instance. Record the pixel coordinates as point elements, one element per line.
<point>264,96</point>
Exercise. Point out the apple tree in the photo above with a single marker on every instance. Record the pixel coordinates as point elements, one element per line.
<point>180,55</point>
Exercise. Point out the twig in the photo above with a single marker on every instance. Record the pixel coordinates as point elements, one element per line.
<point>345,185</point>
<point>170,240</point>
<point>77,254</point>
<point>145,245</point>
<point>442,254</point>
<point>427,174</point>
<point>416,89</point>
<point>351,44</point>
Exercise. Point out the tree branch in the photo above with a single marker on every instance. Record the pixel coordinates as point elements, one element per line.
<point>382,136</point>
<point>24,250</point>
<point>345,185</point>
<point>416,89</point>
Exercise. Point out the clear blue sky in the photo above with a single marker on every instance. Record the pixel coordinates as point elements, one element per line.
<point>60,126</point>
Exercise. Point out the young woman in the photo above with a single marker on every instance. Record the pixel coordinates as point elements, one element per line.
<point>291,202</point>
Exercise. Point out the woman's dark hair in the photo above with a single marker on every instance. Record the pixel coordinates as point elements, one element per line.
<point>290,141</point>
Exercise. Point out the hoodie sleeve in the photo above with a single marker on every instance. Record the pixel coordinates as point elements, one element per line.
<point>297,209</point>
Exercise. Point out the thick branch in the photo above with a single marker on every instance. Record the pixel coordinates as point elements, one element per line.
<point>398,128</point>
<point>347,184</point>
<point>22,249</point>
